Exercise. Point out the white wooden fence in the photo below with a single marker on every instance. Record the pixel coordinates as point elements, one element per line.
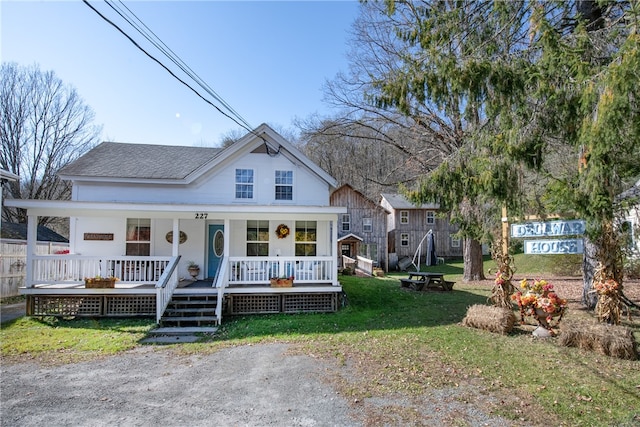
<point>13,263</point>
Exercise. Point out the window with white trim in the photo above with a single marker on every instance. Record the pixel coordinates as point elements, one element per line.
<point>404,217</point>
<point>244,183</point>
<point>431,217</point>
<point>367,225</point>
<point>404,239</point>
<point>138,238</point>
<point>306,235</point>
<point>346,222</point>
<point>455,242</point>
<point>257,238</point>
<point>284,185</point>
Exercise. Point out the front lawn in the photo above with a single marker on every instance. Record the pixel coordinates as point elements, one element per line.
<point>395,342</point>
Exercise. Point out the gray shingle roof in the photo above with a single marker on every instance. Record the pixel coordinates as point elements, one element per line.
<point>145,161</point>
<point>398,201</point>
<point>10,230</point>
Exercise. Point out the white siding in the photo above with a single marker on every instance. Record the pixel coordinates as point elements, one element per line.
<point>218,188</point>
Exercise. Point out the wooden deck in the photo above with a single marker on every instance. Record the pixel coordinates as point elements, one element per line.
<point>136,299</point>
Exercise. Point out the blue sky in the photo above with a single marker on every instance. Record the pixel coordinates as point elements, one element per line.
<point>267,59</point>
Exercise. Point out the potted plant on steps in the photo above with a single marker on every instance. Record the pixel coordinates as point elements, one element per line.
<point>194,270</point>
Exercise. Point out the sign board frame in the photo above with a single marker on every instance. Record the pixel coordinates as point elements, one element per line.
<point>554,247</point>
<point>574,227</point>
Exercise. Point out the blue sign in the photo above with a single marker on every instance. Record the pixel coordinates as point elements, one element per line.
<point>550,246</point>
<point>549,229</point>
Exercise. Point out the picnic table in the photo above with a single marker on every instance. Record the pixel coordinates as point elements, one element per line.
<point>422,280</point>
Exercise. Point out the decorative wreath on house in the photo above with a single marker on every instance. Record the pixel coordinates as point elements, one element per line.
<point>282,231</point>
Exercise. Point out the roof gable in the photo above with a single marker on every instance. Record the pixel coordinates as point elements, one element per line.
<point>348,191</point>
<point>111,161</point>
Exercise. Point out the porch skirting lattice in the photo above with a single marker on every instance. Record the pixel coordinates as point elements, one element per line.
<point>91,306</point>
<point>282,303</point>
<point>145,305</point>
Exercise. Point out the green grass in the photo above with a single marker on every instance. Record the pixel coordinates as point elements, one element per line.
<point>56,340</point>
<point>395,341</point>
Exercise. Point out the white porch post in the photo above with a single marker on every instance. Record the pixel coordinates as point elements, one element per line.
<point>32,242</point>
<point>227,237</point>
<point>334,249</point>
<point>176,237</point>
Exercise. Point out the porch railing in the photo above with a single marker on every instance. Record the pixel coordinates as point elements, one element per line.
<point>258,270</point>
<point>365,265</point>
<point>221,284</point>
<point>167,283</point>
<point>72,269</point>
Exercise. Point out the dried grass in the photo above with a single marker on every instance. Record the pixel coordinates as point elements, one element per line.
<point>610,340</point>
<point>494,319</point>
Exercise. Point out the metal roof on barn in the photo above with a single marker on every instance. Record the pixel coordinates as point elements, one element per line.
<point>398,201</point>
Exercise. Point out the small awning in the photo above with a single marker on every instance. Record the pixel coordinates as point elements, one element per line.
<point>350,237</point>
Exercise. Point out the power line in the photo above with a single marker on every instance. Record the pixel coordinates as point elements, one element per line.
<point>160,45</point>
<point>237,120</point>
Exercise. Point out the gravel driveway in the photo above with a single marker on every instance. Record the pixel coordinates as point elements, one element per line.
<point>249,385</point>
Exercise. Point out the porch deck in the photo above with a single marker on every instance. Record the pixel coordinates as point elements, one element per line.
<point>146,285</point>
<point>139,299</point>
<point>185,286</point>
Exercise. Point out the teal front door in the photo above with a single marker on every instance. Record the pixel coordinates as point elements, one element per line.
<point>216,249</point>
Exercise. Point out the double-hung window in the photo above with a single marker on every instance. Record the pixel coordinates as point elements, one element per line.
<point>404,217</point>
<point>306,238</point>
<point>257,238</point>
<point>138,239</point>
<point>244,183</point>
<point>284,185</point>
<point>346,222</point>
<point>431,217</point>
<point>367,225</point>
<point>404,239</point>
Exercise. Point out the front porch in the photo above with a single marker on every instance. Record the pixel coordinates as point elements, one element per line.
<point>146,285</point>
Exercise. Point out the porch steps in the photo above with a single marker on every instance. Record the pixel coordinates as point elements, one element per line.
<point>190,310</point>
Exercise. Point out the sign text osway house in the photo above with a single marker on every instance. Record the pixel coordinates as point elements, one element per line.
<point>551,229</point>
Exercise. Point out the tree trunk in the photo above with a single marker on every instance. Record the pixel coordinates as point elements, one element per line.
<point>473,262</point>
<point>589,264</point>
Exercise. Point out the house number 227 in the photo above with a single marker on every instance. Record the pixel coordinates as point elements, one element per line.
<point>201,215</point>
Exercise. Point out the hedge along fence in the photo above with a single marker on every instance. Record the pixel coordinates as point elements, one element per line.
<point>13,263</point>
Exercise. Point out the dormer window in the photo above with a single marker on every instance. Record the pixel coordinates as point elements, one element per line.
<point>284,185</point>
<point>244,183</point>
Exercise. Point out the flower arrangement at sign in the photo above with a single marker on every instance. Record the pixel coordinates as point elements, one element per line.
<point>538,299</point>
<point>282,231</point>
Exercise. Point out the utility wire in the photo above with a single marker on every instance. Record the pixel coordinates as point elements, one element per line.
<point>248,128</point>
<point>160,45</point>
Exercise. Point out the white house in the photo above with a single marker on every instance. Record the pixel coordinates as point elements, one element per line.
<point>255,210</point>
